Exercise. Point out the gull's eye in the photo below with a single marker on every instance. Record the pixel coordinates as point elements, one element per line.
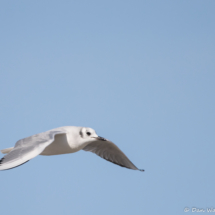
<point>88,133</point>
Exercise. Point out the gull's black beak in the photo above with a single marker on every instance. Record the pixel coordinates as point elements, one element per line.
<point>100,138</point>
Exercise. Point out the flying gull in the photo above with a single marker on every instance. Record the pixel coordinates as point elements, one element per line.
<point>63,140</point>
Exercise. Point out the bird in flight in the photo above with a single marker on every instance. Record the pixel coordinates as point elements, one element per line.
<point>63,140</point>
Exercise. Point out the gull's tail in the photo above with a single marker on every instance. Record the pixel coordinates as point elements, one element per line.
<point>5,151</point>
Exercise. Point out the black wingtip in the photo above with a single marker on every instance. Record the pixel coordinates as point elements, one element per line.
<point>1,160</point>
<point>142,170</point>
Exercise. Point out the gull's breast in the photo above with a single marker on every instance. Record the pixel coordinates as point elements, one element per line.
<point>59,146</point>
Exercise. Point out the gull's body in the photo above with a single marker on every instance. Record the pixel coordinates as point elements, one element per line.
<point>69,141</point>
<point>63,140</point>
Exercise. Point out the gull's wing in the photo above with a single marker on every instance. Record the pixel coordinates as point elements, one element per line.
<point>110,152</point>
<point>28,148</point>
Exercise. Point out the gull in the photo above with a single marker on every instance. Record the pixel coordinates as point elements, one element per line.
<point>63,140</point>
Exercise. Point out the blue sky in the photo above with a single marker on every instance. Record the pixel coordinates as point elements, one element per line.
<point>141,73</point>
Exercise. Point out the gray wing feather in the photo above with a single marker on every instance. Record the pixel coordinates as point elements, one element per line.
<point>27,148</point>
<point>110,152</point>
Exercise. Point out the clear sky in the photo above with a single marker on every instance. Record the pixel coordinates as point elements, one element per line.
<point>141,73</point>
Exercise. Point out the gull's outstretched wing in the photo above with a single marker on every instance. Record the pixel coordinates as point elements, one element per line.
<point>110,152</point>
<point>28,148</point>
